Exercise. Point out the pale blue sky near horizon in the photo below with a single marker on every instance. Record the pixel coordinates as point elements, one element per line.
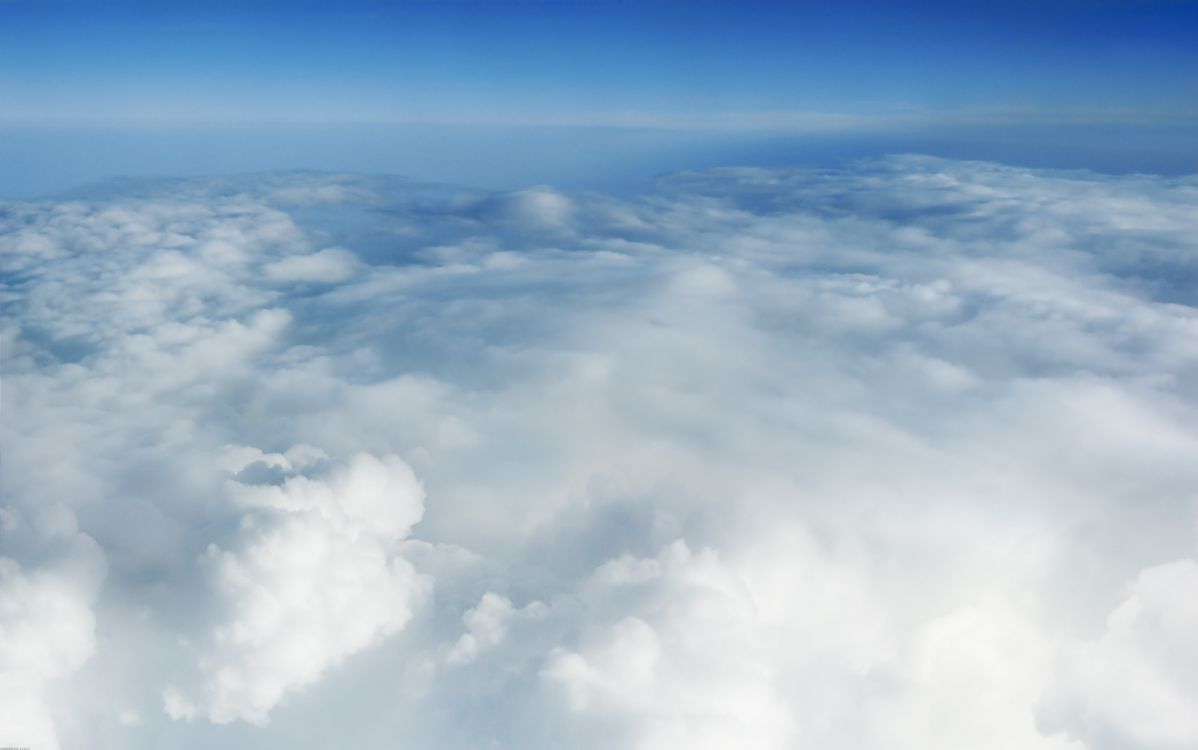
<point>36,162</point>
<point>586,93</point>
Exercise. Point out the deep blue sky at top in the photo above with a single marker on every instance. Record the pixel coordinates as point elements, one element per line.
<point>724,64</point>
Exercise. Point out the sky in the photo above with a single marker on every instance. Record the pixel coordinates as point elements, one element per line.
<point>244,86</point>
<point>671,64</point>
<point>610,376</point>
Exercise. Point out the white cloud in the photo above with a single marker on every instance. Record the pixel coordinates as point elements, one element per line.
<point>1137,684</point>
<point>487,626</point>
<point>47,624</point>
<point>693,667</point>
<point>900,455</point>
<point>314,578</point>
<point>326,266</point>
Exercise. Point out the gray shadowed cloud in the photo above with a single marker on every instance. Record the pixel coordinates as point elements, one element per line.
<point>899,455</point>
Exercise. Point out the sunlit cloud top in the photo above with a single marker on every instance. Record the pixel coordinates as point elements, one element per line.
<point>902,455</point>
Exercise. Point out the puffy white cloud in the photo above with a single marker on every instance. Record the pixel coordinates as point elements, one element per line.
<point>314,578</point>
<point>327,266</point>
<point>47,624</point>
<point>1137,684</point>
<point>370,497</point>
<point>901,454</point>
<point>487,626</point>
<point>694,666</point>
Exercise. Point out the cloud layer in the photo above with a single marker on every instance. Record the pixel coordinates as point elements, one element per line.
<point>900,455</point>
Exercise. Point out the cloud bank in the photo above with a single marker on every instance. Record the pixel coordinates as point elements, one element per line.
<point>898,455</point>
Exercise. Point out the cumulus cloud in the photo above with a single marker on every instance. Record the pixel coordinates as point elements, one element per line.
<point>328,266</point>
<point>691,666</point>
<point>898,455</point>
<point>1135,685</point>
<point>313,578</point>
<point>47,624</point>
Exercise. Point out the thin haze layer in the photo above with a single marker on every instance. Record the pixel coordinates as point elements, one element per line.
<point>902,455</point>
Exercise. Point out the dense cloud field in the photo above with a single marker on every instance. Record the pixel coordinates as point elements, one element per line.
<point>900,456</point>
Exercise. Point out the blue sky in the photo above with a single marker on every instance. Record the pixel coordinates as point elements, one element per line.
<point>507,94</point>
<point>667,64</point>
